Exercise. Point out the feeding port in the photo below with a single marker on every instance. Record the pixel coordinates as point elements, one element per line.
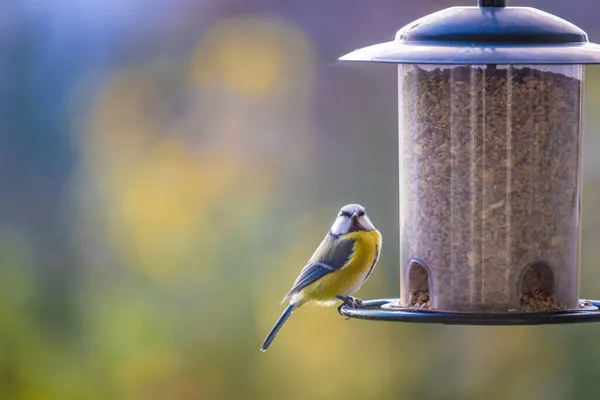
<point>537,288</point>
<point>418,292</point>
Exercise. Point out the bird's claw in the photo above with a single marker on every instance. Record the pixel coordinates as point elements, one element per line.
<point>339,310</point>
<point>349,301</point>
<point>355,303</point>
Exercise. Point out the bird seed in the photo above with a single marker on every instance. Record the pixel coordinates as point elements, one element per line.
<point>489,182</point>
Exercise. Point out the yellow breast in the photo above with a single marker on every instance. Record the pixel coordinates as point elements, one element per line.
<point>350,278</point>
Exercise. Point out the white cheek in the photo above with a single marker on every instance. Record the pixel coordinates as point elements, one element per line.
<point>341,226</point>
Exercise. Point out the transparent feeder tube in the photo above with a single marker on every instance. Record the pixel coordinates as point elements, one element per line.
<point>490,161</point>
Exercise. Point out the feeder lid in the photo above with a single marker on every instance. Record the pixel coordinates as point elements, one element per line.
<point>488,34</point>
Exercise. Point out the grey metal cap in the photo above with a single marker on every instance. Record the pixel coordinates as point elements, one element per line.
<point>488,34</point>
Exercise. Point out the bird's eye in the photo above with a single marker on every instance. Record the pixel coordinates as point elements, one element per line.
<point>345,214</point>
<point>361,213</point>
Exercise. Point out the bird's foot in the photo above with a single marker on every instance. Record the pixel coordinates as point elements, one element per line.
<point>339,310</point>
<point>356,303</point>
<point>349,301</point>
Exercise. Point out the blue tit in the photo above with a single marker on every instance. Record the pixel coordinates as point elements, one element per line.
<point>339,267</point>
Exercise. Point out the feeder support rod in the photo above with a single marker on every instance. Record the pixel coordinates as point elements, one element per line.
<point>492,3</point>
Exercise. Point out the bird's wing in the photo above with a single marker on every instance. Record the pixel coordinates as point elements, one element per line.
<point>333,254</point>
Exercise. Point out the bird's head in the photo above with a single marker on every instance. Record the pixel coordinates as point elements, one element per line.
<point>351,218</point>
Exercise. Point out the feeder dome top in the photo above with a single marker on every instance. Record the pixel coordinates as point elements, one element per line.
<point>490,33</point>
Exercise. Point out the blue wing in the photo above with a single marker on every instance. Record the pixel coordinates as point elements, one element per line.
<point>332,254</point>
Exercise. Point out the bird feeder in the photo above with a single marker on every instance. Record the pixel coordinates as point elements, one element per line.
<point>490,132</point>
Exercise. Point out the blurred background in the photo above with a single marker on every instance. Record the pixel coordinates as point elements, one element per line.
<point>168,166</point>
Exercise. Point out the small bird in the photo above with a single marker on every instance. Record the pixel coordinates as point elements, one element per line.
<point>339,267</point>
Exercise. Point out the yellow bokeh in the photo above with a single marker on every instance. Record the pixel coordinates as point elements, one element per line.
<point>162,192</point>
<point>249,55</point>
<point>160,207</point>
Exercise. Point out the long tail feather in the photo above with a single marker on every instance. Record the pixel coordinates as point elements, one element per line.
<point>284,316</point>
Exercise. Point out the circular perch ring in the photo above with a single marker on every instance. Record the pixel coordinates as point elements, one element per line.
<point>381,310</point>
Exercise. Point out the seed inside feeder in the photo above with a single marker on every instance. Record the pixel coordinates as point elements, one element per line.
<point>537,300</point>
<point>420,299</point>
<point>489,185</point>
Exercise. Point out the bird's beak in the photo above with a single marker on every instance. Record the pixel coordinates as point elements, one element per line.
<point>356,225</point>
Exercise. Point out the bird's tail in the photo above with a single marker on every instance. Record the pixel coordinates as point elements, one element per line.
<point>282,318</point>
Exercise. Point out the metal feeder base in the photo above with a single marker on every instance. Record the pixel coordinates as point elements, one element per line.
<point>383,310</point>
